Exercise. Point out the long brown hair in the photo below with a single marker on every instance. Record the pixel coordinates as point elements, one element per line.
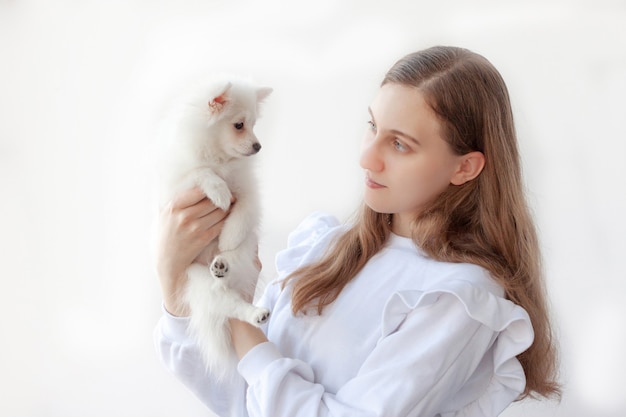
<point>485,221</point>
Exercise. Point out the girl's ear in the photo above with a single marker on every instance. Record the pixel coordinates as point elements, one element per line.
<point>471,165</point>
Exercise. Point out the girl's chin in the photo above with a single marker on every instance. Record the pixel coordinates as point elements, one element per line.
<point>378,206</point>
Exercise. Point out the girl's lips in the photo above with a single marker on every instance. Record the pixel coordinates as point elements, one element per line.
<point>372,184</point>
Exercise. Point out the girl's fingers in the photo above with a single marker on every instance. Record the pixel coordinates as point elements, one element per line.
<point>188,198</point>
<point>213,229</point>
<point>196,202</point>
<point>208,214</point>
<point>193,216</point>
<point>205,208</point>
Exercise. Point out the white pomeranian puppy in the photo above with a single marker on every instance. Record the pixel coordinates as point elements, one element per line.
<point>208,141</point>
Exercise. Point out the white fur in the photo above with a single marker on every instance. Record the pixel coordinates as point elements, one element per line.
<point>203,146</point>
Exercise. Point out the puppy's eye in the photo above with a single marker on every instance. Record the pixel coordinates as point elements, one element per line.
<point>238,125</point>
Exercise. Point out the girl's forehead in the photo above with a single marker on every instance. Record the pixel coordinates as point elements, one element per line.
<point>397,96</point>
<point>405,108</point>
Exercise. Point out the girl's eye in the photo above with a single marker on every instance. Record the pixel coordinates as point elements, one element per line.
<point>371,125</point>
<point>238,125</point>
<point>399,146</point>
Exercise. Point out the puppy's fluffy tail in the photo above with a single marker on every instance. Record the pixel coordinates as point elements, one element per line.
<point>209,327</point>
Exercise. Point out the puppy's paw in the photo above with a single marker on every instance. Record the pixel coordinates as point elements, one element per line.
<point>219,267</point>
<point>259,316</point>
<point>219,194</point>
<point>222,200</point>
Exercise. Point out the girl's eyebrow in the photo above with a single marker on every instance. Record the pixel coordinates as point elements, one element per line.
<point>395,131</point>
<point>369,110</point>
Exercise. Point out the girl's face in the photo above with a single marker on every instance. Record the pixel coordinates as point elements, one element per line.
<point>407,163</point>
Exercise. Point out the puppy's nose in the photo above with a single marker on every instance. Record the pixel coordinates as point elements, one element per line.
<point>256,147</point>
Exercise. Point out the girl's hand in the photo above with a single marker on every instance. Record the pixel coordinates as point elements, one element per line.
<point>245,336</point>
<point>187,225</point>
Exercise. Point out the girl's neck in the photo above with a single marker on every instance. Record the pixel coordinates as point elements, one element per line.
<point>401,224</point>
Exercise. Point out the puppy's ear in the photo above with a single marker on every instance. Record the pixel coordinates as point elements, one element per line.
<point>217,103</point>
<point>263,92</point>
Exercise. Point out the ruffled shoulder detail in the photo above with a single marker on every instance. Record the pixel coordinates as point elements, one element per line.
<point>306,242</point>
<point>510,321</point>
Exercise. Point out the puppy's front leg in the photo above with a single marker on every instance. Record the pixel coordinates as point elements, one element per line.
<point>215,188</point>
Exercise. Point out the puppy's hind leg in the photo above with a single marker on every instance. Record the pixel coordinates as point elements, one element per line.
<point>245,311</point>
<point>219,267</point>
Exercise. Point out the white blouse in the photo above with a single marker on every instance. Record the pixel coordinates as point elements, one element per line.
<point>408,336</point>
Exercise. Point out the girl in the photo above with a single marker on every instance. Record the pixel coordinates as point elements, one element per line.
<point>430,303</point>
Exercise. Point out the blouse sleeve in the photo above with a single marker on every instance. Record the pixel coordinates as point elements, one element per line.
<point>180,355</point>
<point>306,242</point>
<point>424,365</point>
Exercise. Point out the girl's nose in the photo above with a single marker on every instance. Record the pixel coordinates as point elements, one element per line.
<point>370,157</point>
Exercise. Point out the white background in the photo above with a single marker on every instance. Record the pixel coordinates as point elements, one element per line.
<point>81,87</point>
